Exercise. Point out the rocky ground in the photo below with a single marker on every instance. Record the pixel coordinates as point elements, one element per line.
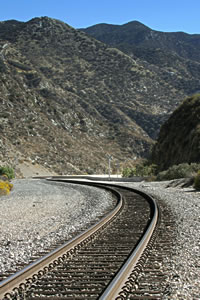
<point>36,214</point>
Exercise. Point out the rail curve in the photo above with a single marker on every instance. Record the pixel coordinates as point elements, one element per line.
<point>118,284</point>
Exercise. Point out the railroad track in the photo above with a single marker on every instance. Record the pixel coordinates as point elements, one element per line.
<point>102,263</point>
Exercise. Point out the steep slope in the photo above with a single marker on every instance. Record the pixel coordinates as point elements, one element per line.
<point>69,100</point>
<point>174,56</point>
<point>179,138</point>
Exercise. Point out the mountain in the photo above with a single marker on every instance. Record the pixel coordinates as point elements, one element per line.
<point>68,101</point>
<point>179,138</point>
<point>134,35</point>
<point>175,56</point>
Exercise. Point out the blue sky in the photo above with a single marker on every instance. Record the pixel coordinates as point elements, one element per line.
<point>163,15</point>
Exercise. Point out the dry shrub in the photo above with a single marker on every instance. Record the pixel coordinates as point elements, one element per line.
<point>5,187</point>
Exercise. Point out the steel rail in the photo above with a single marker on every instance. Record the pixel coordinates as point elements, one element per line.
<point>116,286</point>
<point>15,281</point>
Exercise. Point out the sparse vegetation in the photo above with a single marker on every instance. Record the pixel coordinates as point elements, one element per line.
<point>8,171</point>
<point>141,168</point>
<point>184,170</point>
<point>5,187</point>
<point>179,138</point>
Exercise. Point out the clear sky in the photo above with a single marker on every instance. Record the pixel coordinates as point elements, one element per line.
<point>162,15</point>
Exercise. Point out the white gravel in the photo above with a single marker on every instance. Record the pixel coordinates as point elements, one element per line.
<point>36,214</point>
<point>184,265</point>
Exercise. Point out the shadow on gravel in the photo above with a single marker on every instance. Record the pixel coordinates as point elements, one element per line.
<point>192,191</point>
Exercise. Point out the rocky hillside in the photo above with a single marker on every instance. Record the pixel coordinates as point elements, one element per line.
<point>175,56</point>
<point>179,138</point>
<point>135,35</point>
<point>68,100</point>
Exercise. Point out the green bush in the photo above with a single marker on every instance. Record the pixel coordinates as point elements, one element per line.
<point>184,170</point>
<point>197,181</point>
<point>140,169</point>
<point>127,172</point>
<point>8,171</point>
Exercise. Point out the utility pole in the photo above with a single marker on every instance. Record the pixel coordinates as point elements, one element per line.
<point>118,166</point>
<point>109,159</point>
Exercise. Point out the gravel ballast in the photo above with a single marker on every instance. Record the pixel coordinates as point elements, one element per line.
<point>183,264</point>
<point>37,213</point>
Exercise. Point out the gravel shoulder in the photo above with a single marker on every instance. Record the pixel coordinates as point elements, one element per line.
<point>37,213</point>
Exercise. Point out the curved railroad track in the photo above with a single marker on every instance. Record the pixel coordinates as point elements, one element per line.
<point>102,263</point>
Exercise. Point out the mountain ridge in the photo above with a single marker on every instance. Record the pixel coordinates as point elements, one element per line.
<point>138,34</point>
